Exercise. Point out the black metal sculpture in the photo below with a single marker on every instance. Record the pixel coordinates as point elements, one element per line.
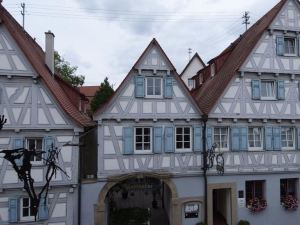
<point>212,156</point>
<point>24,169</point>
<point>2,121</point>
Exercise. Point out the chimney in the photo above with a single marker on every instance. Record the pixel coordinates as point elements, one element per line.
<point>49,50</point>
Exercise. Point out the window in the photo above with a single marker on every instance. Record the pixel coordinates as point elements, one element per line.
<point>268,89</point>
<point>26,213</point>
<point>289,46</point>
<point>191,83</point>
<point>143,140</point>
<point>183,139</point>
<point>254,189</point>
<point>288,187</point>
<point>255,138</point>
<point>35,144</point>
<point>221,137</point>
<point>154,87</point>
<point>287,138</point>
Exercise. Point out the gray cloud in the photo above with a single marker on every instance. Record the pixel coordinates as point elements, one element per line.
<point>141,17</point>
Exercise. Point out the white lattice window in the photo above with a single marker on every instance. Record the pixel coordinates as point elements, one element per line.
<point>287,138</point>
<point>268,89</point>
<point>142,139</point>
<point>183,139</point>
<point>255,140</point>
<point>35,144</point>
<point>289,46</point>
<point>26,213</point>
<point>154,87</point>
<point>221,137</point>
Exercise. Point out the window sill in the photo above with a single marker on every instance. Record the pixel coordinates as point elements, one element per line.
<point>153,97</point>
<point>290,55</point>
<point>183,150</point>
<point>141,152</point>
<point>255,149</point>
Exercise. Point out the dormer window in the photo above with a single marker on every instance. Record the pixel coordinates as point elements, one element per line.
<point>212,70</point>
<point>154,87</point>
<point>289,46</point>
<point>200,79</point>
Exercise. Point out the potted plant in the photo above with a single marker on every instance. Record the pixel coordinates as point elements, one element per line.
<point>257,205</point>
<point>243,222</point>
<point>289,202</point>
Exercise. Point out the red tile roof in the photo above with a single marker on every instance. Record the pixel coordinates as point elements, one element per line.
<point>89,91</point>
<point>35,56</point>
<point>231,59</point>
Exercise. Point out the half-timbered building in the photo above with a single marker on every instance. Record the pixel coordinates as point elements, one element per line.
<point>41,110</point>
<point>250,93</point>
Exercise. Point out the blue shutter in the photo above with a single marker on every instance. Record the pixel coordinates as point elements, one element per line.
<point>127,140</point>
<point>298,46</point>
<point>157,136</point>
<point>235,138</point>
<point>277,138</point>
<point>43,212</point>
<point>280,45</point>
<point>269,138</point>
<point>18,143</point>
<point>47,146</point>
<point>139,87</point>
<point>299,90</point>
<point>13,209</point>
<point>169,139</point>
<point>255,89</point>
<point>0,95</point>
<point>280,90</point>
<point>243,138</point>
<point>209,137</point>
<point>168,87</point>
<point>197,139</point>
<point>298,138</point>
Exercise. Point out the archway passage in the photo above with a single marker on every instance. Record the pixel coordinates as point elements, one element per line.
<point>139,201</point>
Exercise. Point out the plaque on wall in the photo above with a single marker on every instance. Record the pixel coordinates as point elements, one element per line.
<point>191,210</point>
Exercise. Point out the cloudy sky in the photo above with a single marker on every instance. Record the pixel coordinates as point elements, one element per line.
<point>106,37</point>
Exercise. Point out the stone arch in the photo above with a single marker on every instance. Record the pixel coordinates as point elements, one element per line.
<point>99,210</point>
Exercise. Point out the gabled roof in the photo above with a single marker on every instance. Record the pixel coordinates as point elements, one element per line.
<point>208,94</point>
<point>36,56</point>
<point>154,42</point>
<point>195,56</point>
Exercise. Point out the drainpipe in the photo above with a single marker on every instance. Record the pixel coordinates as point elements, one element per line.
<point>204,167</point>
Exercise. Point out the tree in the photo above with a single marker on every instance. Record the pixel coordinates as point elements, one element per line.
<point>101,96</point>
<point>66,71</point>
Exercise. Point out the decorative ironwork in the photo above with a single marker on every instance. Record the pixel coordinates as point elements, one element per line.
<point>2,121</point>
<point>212,157</point>
<point>23,169</point>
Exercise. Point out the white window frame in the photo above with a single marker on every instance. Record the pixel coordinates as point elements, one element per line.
<point>35,162</point>
<point>295,41</point>
<point>161,87</point>
<point>261,139</point>
<point>143,151</point>
<point>191,140</point>
<point>219,147</point>
<point>22,217</point>
<point>275,91</point>
<point>293,136</point>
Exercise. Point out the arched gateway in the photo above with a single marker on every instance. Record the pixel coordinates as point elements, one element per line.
<point>101,209</point>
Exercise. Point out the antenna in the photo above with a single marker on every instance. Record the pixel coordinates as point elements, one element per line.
<point>190,53</point>
<point>23,13</point>
<point>246,18</point>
